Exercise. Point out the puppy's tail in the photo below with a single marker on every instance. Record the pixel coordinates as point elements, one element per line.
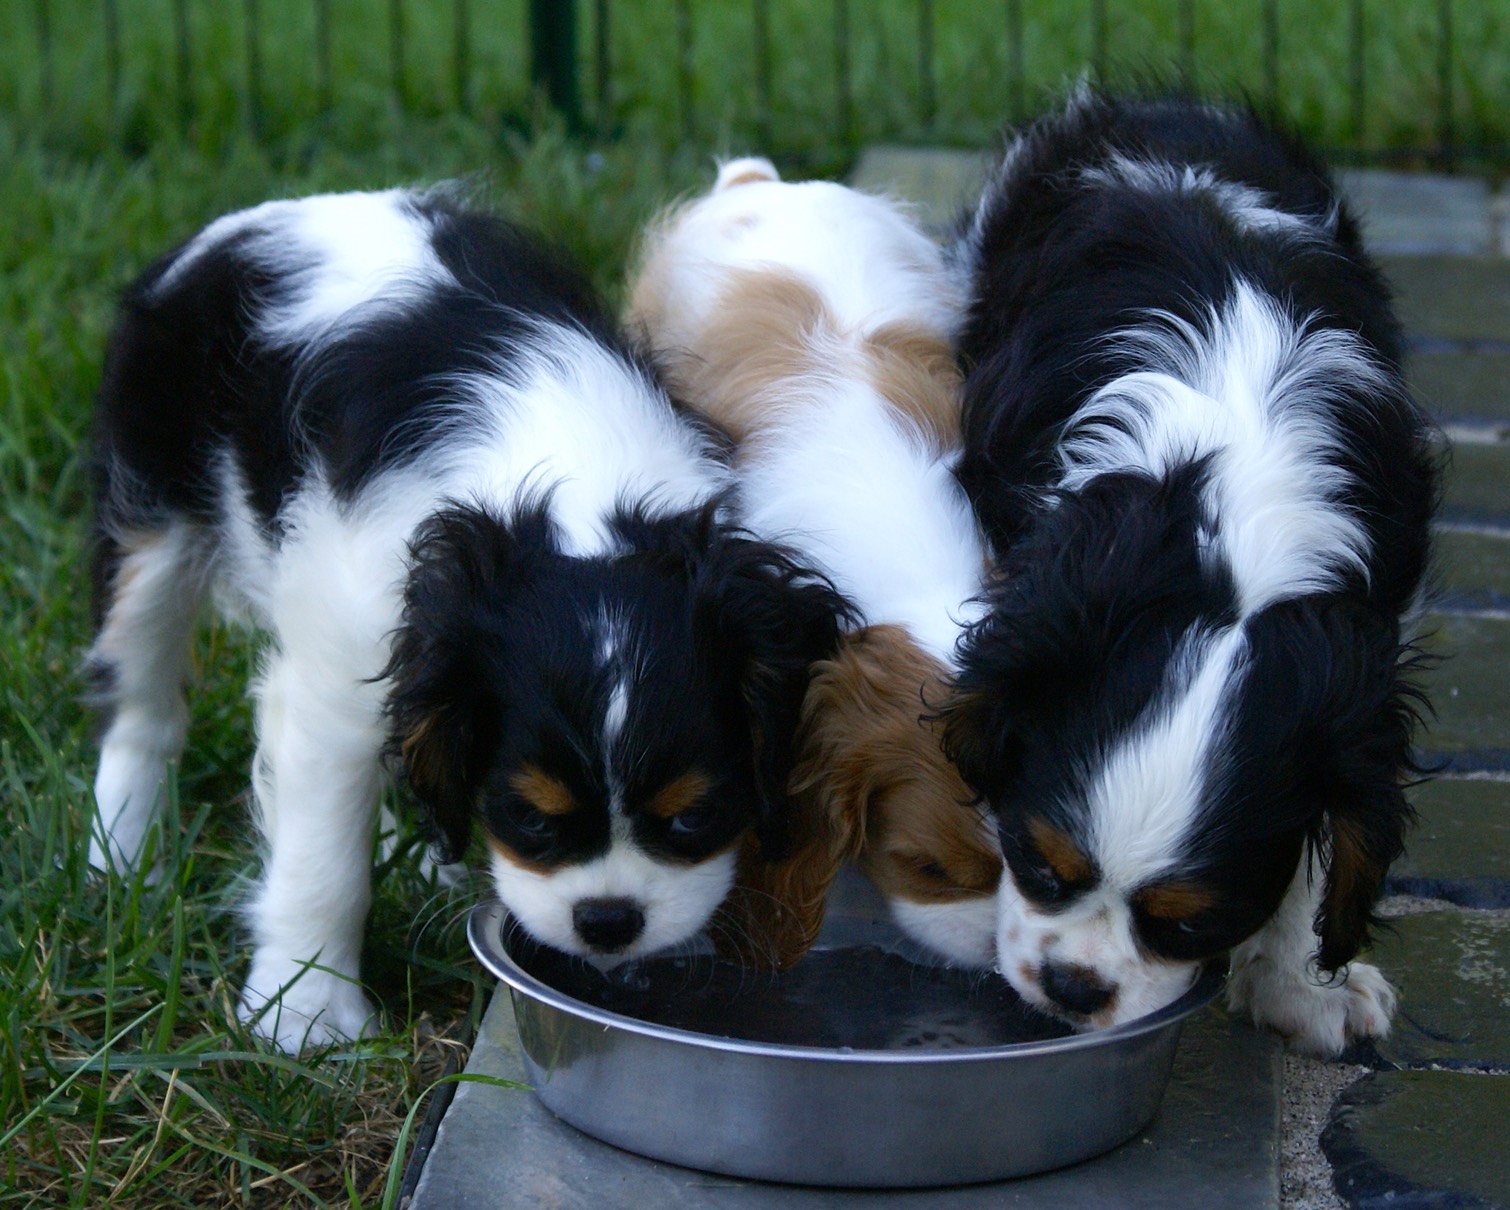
<point>745,171</point>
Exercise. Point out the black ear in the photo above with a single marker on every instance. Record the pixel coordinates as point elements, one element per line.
<point>443,715</point>
<point>1109,574</point>
<point>770,619</point>
<point>760,619</point>
<point>1357,711</point>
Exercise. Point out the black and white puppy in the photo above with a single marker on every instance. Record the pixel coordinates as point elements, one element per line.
<point>409,444</point>
<point>1187,436</point>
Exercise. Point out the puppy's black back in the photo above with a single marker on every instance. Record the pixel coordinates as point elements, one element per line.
<point>192,379</point>
<point>1065,254</point>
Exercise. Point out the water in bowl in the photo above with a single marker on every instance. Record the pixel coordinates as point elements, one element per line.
<point>860,997</point>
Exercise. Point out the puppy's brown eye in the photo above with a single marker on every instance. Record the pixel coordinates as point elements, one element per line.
<point>531,823</point>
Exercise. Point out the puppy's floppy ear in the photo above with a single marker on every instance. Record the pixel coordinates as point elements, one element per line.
<point>1357,712</point>
<point>1112,567</point>
<point>770,619</point>
<point>760,619</point>
<point>464,561</point>
<point>776,908</point>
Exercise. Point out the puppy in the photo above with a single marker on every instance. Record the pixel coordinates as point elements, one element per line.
<point>1187,436</point>
<point>409,444</point>
<point>815,323</point>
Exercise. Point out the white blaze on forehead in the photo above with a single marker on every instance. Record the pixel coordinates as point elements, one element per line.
<point>1145,799</point>
<point>615,662</point>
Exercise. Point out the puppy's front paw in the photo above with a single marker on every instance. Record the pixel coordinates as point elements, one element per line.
<point>1317,1018</point>
<point>297,1009</point>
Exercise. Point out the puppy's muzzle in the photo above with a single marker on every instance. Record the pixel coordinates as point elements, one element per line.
<point>1078,989</point>
<point>607,925</point>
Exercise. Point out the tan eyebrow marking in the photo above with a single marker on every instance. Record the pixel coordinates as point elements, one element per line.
<point>1062,853</point>
<point>678,794</point>
<point>545,793</point>
<point>508,853</point>
<point>1175,900</point>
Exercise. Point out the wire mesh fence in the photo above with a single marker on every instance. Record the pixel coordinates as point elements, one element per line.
<point>1367,79</point>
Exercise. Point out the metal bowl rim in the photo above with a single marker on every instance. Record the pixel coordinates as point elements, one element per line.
<point>500,964</point>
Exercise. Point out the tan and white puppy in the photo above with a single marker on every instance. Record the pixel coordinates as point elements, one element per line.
<point>815,323</point>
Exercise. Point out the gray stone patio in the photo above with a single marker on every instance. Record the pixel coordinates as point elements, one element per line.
<point>1424,1125</point>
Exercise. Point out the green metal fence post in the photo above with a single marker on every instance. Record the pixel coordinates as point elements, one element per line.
<point>553,56</point>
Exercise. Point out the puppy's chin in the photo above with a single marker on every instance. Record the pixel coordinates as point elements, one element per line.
<point>963,933</point>
<point>676,901</point>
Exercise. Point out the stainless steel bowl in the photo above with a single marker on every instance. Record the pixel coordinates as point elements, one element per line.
<point>914,1104</point>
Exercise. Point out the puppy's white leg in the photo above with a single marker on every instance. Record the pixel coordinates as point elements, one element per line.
<point>1274,978</point>
<point>140,656</point>
<point>317,777</point>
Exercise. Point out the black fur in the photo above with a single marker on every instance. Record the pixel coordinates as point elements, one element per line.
<point>1100,586</point>
<point>495,669</point>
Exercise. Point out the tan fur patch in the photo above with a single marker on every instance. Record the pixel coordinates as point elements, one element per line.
<point>875,769</point>
<point>914,369</point>
<point>422,758</point>
<point>770,327</point>
<point>679,794</point>
<point>1175,900</point>
<point>547,794</point>
<point>760,335</point>
<point>750,176</point>
<point>1062,853</point>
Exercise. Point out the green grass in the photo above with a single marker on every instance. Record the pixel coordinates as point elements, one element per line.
<point>62,81</point>
<point>123,1073</point>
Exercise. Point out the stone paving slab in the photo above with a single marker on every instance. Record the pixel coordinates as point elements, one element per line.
<point>1460,847</point>
<point>1452,970</point>
<point>1392,205</point>
<point>1464,299</point>
<point>1470,690</point>
<point>1214,1139</point>
<point>1478,480</point>
<point>939,182</point>
<point>1403,214</point>
<point>1454,382</point>
<point>1422,1140</point>
<point>1474,562</point>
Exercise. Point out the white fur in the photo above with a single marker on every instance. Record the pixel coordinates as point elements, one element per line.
<point>144,644</point>
<point>1145,798</point>
<point>837,472</point>
<point>963,932</point>
<point>1274,978</point>
<point>675,900</point>
<point>1249,208</point>
<point>1252,395</point>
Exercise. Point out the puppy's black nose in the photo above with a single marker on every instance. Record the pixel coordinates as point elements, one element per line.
<point>1077,988</point>
<point>607,924</point>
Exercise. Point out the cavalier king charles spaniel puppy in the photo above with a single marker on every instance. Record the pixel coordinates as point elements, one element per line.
<point>486,548</point>
<point>1190,703</point>
<point>816,325</point>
